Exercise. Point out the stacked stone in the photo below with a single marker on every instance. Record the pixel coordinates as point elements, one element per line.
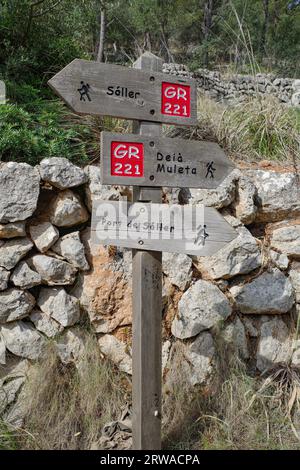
<point>238,87</point>
<point>247,295</point>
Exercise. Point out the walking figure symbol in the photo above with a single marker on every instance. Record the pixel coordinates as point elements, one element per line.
<point>202,234</point>
<point>210,169</point>
<point>84,91</point>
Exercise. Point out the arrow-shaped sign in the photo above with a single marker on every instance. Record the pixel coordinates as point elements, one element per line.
<point>130,159</point>
<point>194,230</point>
<point>90,87</point>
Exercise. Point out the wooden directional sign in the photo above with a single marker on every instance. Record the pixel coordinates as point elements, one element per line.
<point>194,230</point>
<point>160,161</point>
<point>104,89</point>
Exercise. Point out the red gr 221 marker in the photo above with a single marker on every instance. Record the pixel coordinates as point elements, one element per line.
<point>176,99</point>
<point>127,159</point>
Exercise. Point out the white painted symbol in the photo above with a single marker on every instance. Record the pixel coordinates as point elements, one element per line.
<point>122,151</point>
<point>175,92</point>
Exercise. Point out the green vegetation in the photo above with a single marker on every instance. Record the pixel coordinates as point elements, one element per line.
<point>38,38</point>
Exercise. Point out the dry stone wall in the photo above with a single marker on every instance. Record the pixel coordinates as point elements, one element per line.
<point>238,87</point>
<point>247,295</point>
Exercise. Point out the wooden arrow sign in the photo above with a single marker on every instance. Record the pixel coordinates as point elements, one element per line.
<point>194,230</point>
<point>160,161</point>
<point>90,87</point>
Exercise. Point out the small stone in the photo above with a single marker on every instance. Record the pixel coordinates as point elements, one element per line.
<point>71,346</point>
<point>4,277</point>
<point>241,256</point>
<point>220,197</point>
<point>287,240</point>
<point>198,360</point>
<point>2,351</point>
<point>117,352</point>
<point>236,335</point>
<point>96,190</point>
<point>61,173</point>
<point>23,340</point>
<point>45,324</point>
<point>201,307</point>
<point>245,208</point>
<point>67,210</point>
<point>280,260</point>
<point>61,306</point>
<point>269,293</point>
<point>274,346</point>
<point>19,191</point>
<point>13,251</point>
<point>71,248</point>
<point>53,271</point>
<point>12,230</point>
<point>250,327</point>
<point>178,267</point>
<point>166,347</point>
<point>15,304</point>
<point>25,277</point>
<point>44,235</point>
<point>278,195</point>
<point>294,276</point>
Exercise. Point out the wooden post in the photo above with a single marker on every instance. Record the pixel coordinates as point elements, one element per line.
<point>147,313</point>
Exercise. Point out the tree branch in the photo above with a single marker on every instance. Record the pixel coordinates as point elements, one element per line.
<point>44,12</point>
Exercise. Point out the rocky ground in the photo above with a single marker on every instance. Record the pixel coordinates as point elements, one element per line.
<point>247,294</point>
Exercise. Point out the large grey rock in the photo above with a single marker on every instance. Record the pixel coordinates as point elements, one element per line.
<point>13,251</point>
<point>244,205</point>
<point>61,173</point>
<point>44,235</point>
<point>294,275</point>
<point>23,340</point>
<point>19,191</point>
<point>235,335</point>
<point>274,346</point>
<point>198,360</point>
<point>25,277</point>
<point>278,195</point>
<point>71,346</point>
<point>241,256</point>
<point>220,197</point>
<point>280,260</point>
<point>61,306</point>
<point>116,351</point>
<point>287,240</point>
<point>12,230</point>
<point>271,292</point>
<point>201,307</point>
<point>4,277</point>
<point>67,210</point>
<point>15,304</point>
<point>45,324</point>
<point>71,248</point>
<point>96,190</point>
<point>53,271</point>
<point>178,268</point>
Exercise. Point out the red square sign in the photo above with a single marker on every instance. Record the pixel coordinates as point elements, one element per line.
<point>176,99</point>
<point>127,159</point>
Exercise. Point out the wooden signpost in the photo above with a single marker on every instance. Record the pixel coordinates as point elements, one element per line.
<point>194,230</point>
<point>148,161</point>
<point>104,89</point>
<point>128,159</point>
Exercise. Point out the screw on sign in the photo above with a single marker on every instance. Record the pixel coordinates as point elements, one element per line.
<point>127,159</point>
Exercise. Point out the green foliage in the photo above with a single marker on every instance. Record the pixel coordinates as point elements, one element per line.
<point>32,136</point>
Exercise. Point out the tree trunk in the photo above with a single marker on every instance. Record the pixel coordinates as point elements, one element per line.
<point>265,26</point>
<point>206,26</point>
<point>102,36</point>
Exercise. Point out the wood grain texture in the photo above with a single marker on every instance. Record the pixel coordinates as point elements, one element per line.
<point>163,227</point>
<point>176,163</point>
<point>147,313</point>
<point>145,85</point>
